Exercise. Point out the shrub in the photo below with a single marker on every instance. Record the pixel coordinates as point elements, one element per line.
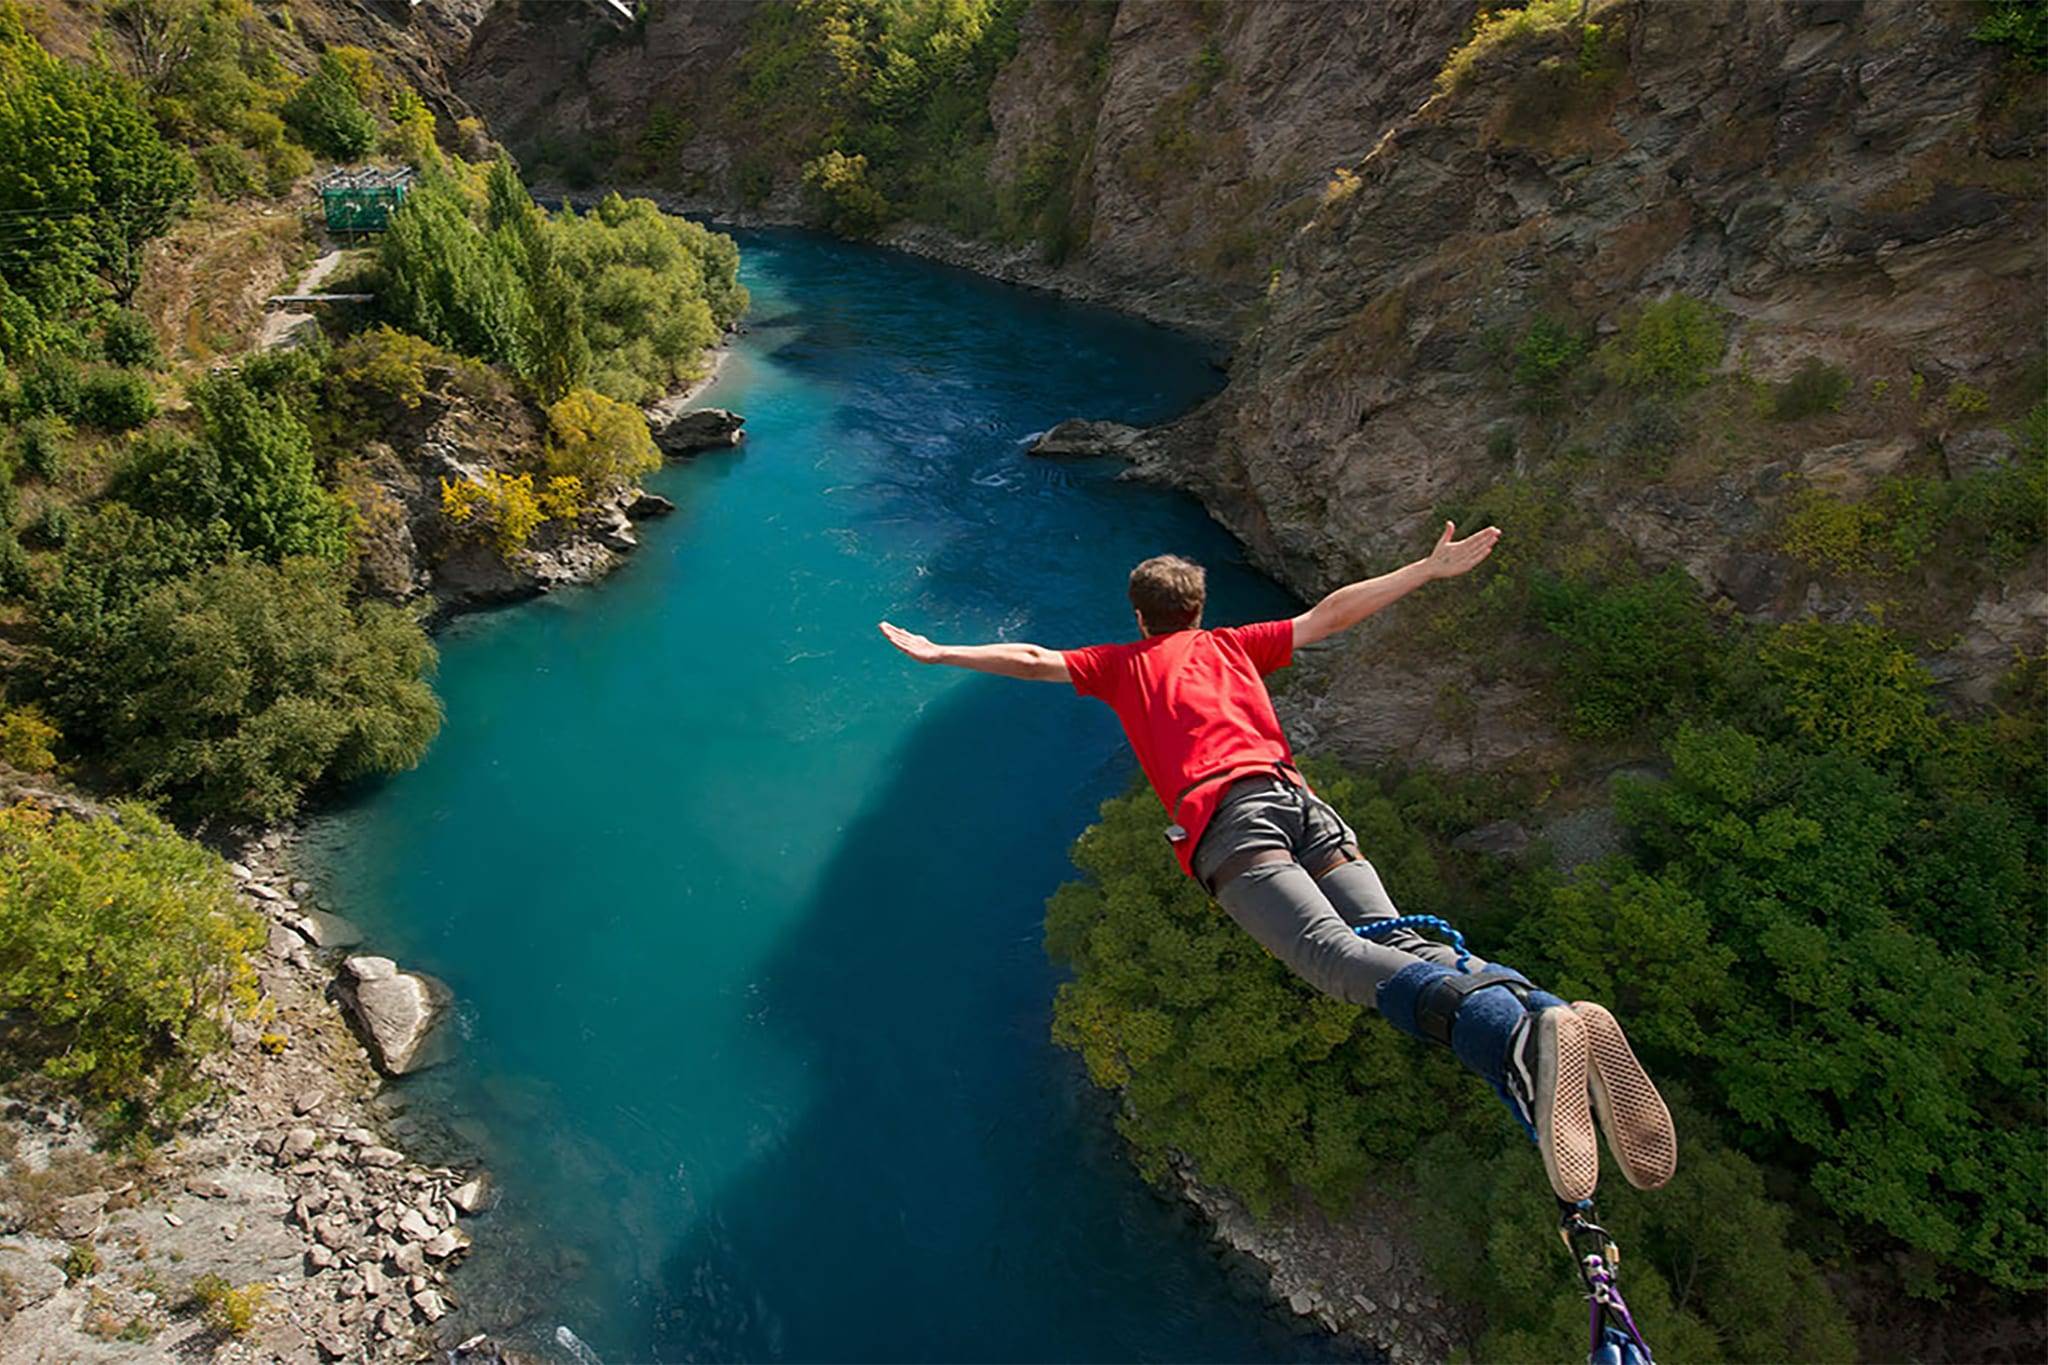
<point>383,368</point>
<point>602,444</point>
<point>1671,344</point>
<point>51,385</point>
<point>1854,689</point>
<point>654,291</point>
<point>127,339</point>
<point>1544,359</point>
<point>1648,435</point>
<point>229,170</point>
<point>283,166</point>
<point>499,507</point>
<point>1816,387</point>
<point>51,527</point>
<point>41,445</point>
<point>116,400</point>
<point>254,470</point>
<point>1966,399</point>
<point>1627,653</point>
<point>236,689</point>
<point>27,739</point>
<point>327,112</point>
<point>122,942</point>
<point>842,197</point>
<point>81,1262</point>
<point>2020,26</point>
<point>1830,532</point>
<point>225,1308</point>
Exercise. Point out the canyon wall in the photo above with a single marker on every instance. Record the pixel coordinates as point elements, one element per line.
<point>1377,220</point>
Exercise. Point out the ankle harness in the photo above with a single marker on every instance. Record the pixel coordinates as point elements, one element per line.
<point>1436,1008</point>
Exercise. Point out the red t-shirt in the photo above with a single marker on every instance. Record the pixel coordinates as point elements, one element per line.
<point>1193,705</point>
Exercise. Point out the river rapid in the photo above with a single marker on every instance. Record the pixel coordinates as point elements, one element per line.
<point>743,909</point>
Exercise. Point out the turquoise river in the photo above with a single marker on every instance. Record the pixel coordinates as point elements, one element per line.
<point>743,909</point>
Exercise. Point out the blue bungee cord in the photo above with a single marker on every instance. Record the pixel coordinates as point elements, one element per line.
<point>1388,926</point>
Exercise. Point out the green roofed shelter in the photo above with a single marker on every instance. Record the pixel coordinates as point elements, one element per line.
<point>363,200</point>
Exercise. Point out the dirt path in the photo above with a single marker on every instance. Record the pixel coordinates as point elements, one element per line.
<point>280,325</point>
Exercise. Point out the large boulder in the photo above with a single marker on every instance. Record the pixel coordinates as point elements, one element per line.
<point>1078,438</point>
<point>398,1013</point>
<point>686,433</point>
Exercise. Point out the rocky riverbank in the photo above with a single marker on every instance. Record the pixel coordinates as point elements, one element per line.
<point>328,1206</point>
<point>1357,1276</point>
<point>328,1217</point>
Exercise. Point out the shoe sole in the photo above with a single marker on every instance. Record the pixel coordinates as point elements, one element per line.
<point>1564,1118</point>
<point>1631,1112</point>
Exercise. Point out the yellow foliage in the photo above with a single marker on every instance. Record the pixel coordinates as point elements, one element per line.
<point>601,442</point>
<point>562,499</point>
<point>1831,533</point>
<point>225,1308</point>
<point>362,71</point>
<point>1343,184</point>
<point>502,508</point>
<point>1504,26</point>
<point>26,737</point>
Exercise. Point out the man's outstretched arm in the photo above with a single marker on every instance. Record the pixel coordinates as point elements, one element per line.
<point>1349,605</point>
<point>1033,663</point>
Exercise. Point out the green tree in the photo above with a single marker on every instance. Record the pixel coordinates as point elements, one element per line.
<point>328,114</point>
<point>85,179</point>
<point>236,689</point>
<point>141,184</point>
<point>267,490</point>
<point>122,946</point>
<point>442,279</point>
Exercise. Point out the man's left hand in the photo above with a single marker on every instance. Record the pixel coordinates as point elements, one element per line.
<point>1453,557</point>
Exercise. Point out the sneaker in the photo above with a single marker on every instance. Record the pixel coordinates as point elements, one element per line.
<point>1546,1085</point>
<point>1631,1112</point>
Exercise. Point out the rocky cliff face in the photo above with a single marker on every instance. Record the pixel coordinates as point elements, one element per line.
<point>1854,186</point>
<point>1849,189</point>
<point>1181,142</point>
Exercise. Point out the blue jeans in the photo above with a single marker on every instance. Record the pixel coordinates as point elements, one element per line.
<point>1307,921</point>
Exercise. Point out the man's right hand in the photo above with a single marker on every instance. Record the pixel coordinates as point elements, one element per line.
<point>911,643</point>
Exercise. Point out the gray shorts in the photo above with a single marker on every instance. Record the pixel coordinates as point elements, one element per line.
<point>1308,922</point>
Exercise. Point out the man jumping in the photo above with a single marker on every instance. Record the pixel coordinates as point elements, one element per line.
<point>1287,868</point>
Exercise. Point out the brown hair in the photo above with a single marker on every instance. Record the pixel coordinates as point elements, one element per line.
<point>1168,592</point>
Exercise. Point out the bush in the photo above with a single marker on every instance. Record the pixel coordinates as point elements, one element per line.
<point>225,1308</point>
<point>327,113</point>
<point>41,445</point>
<point>504,509</point>
<point>1672,345</point>
<point>52,385</point>
<point>51,527</point>
<point>229,170</point>
<point>236,689</point>
<point>1816,387</point>
<point>127,339</point>
<point>841,195</point>
<point>2020,26</point>
<point>254,470</point>
<point>654,290</point>
<point>27,739</point>
<point>1627,653</point>
<point>1544,359</point>
<point>116,400</point>
<point>602,444</point>
<point>122,943</point>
